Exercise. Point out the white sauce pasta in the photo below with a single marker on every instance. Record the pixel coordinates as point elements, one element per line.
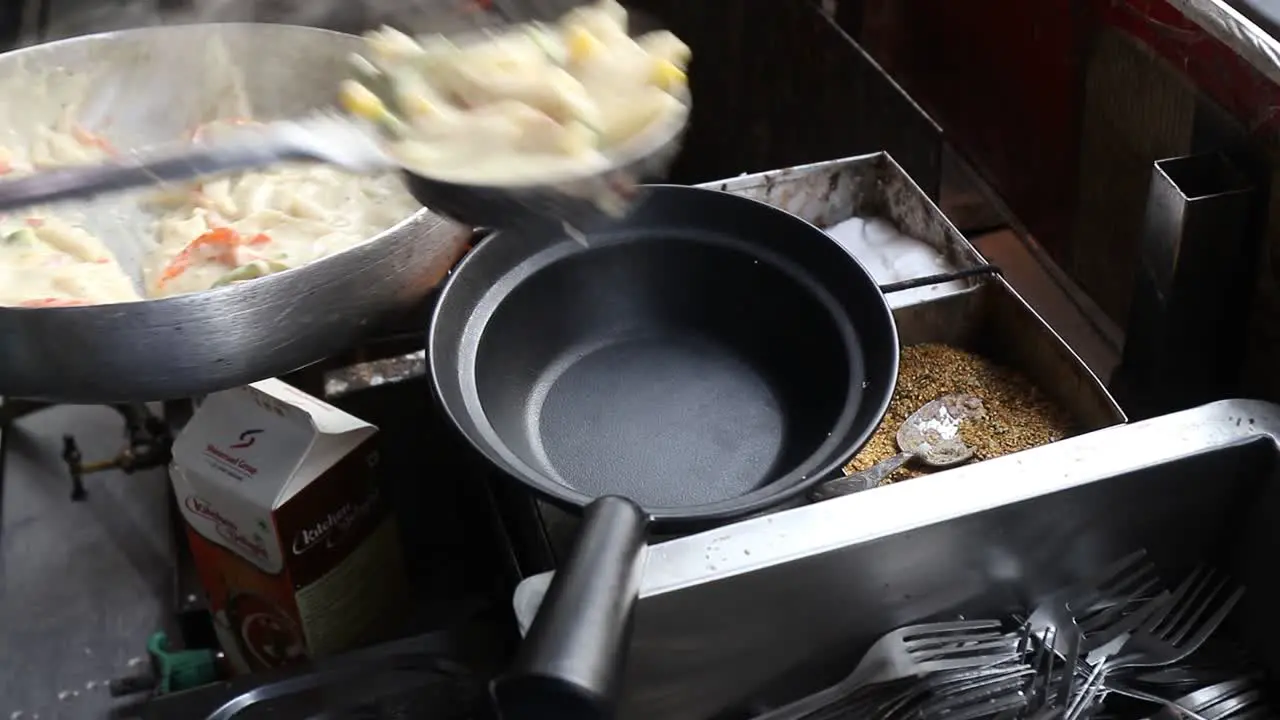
<point>528,104</point>
<point>249,225</point>
<point>47,260</point>
<point>206,235</point>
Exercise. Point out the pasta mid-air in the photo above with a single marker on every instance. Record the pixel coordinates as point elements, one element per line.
<point>525,105</point>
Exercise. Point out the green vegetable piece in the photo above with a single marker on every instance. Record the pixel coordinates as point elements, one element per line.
<point>25,236</point>
<point>251,271</point>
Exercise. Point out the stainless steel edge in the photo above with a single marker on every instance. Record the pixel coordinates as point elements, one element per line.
<point>811,530</point>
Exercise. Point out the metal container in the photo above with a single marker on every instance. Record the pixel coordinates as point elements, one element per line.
<point>155,84</point>
<point>992,320</point>
<point>866,186</point>
<point>1192,286</point>
<point>779,606</point>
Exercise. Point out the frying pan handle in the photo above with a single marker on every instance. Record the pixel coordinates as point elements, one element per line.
<point>570,663</point>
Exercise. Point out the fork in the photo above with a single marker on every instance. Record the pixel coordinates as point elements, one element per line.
<point>1224,700</point>
<point>1124,580</point>
<point>1173,630</point>
<point>1157,635</point>
<point>1208,703</point>
<point>913,651</point>
<point>1092,693</point>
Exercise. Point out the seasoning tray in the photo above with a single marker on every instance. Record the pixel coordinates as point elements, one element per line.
<point>867,186</point>
<point>992,320</point>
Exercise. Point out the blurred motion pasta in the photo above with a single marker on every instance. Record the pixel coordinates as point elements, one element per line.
<point>527,104</point>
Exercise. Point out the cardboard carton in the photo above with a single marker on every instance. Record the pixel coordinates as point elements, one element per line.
<point>294,542</point>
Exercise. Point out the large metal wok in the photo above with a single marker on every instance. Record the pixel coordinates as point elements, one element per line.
<point>153,85</point>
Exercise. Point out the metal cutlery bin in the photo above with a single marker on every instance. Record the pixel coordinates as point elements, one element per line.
<point>864,186</point>
<point>779,606</point>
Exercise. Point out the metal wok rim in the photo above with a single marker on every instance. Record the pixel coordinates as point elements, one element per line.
<point>816,468</point>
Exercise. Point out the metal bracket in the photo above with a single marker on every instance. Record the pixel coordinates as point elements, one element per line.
<point>148,445</point>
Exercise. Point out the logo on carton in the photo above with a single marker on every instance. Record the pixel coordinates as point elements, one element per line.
<point>225,527</point>
<point>247,439</point>
<point>334,526</point>
<point>233,462</point>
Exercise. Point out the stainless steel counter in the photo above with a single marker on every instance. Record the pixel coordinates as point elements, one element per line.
<point>777,606</point>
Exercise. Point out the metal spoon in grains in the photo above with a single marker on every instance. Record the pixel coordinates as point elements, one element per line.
<point>930,435</point>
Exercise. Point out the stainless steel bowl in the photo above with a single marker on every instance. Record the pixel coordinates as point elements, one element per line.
<point>152,85</point>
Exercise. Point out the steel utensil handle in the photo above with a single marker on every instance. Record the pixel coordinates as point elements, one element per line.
<point>570,663</point>
<point>136,171</point>
<point>927,280</point>
<point>860,481</point>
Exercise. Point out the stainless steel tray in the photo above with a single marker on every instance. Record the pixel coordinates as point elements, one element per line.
<point>868,186</point>
<point>778,606</point>
<point>992,320</point>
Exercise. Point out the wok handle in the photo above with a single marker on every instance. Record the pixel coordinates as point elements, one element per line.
<point>570,663</point>
<point>82,182</point>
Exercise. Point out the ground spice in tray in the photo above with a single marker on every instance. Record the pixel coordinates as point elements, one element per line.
<point>1019,416</point>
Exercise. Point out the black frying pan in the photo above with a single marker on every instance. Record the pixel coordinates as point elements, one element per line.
<point>709,357</point>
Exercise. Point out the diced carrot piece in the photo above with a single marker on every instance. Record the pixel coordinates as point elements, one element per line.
<point>224,239</point>
<point>90,139</point>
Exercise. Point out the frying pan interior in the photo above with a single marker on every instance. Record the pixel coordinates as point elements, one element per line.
<point>708,356</point>
<point>669,369</point>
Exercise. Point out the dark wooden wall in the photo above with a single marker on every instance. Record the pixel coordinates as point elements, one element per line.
<point>776,83</point>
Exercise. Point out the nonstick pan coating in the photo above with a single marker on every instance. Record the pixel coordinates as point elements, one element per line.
<point>709,357</point>
<point>706,358</point>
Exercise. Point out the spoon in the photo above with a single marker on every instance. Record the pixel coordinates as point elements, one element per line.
<point>579,201</point>
<point>930,435</point>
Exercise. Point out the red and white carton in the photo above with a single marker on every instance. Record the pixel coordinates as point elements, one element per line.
<point>293,539</point>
